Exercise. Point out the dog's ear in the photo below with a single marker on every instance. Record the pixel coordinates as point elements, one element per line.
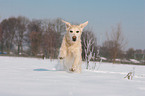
<point>67,23</point>
<point>83,25</point>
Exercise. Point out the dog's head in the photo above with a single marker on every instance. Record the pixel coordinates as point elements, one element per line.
<point>74,31</point>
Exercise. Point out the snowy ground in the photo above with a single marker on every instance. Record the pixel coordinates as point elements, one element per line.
<point>35,77</point>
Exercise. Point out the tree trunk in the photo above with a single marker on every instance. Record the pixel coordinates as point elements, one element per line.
<point>18,49</point>
<point>2,47</point>
<point>87,64</point>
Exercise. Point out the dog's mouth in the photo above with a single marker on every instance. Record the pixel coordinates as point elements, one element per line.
<point>74,38</point>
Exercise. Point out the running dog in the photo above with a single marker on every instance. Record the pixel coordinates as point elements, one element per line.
<point>71,48</point>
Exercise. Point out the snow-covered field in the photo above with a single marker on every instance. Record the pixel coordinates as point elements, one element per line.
<point>21,76</point>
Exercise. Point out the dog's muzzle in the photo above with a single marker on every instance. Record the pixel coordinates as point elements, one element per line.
<point>74,38</point>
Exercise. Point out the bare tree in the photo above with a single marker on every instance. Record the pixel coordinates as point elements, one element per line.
<point>118,42</point>
<point>20,32</point>
<point>59,28</point>
<point>52,35</point>
<point>1,39</point>
<point>35,36</point>
<point>130,53</point>
<point>88,45</point>
<point>8,33</point>
<point>2,36</point>
<point>138,54</point>
<point>106,50</point>
<point>50,42</point>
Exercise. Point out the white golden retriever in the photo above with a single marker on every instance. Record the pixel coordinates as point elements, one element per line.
<point>71,48</point>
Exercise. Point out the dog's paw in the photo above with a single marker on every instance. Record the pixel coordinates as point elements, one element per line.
<point>75,69</point>
<point>72,69</point>
<point>61,58</point>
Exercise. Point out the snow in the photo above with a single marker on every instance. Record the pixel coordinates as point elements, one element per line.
<point>103,58</point>
<point>118,60</point>
<point>134,61</point>
<point>21,76</point>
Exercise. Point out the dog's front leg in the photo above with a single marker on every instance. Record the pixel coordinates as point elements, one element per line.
<point>63,50</point>
<point>77,63</point>
<point>62,53</point>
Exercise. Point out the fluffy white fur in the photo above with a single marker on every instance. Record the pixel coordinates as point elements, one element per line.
<point>71,48</point>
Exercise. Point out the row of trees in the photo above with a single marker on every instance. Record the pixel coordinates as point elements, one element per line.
<point>137,54</point>
<point>19,35</point>
<point>31,37</point>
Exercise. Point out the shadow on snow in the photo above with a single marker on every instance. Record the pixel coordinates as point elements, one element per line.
<point>41,69</point>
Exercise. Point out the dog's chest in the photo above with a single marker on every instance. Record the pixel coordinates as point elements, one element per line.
<point>74,49</point>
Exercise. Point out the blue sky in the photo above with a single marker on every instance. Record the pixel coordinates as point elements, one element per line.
<point>101,14</point>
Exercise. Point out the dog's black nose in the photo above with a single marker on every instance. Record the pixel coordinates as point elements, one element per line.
<point>74,38</point>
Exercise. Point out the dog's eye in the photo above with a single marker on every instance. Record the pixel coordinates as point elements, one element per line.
<point>71,31</point>
<point>77,31</point>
